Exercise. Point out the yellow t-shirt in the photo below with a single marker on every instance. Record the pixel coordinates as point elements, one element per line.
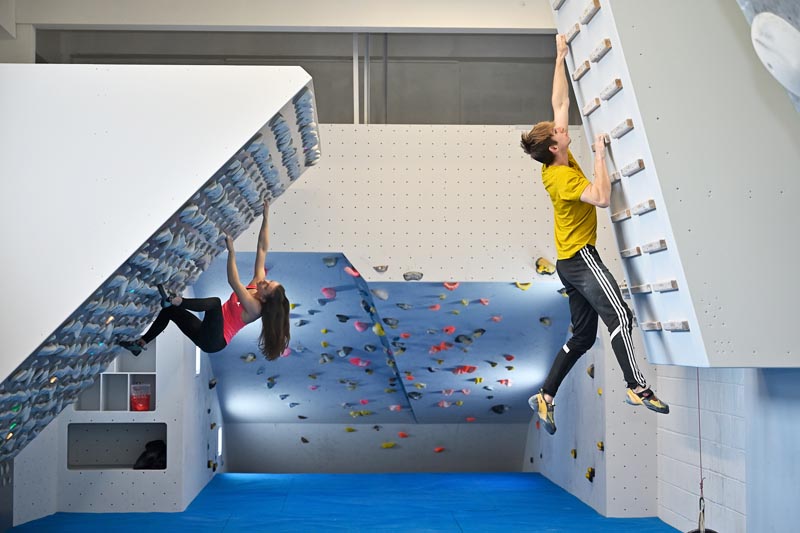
<point>575,221</point>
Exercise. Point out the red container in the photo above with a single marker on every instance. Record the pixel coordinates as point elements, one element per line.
<point>140,397</point>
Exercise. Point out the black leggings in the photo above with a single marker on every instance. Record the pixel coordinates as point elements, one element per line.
<point>206,334</point>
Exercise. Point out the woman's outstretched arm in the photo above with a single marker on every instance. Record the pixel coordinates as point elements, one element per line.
<point>263,246</point>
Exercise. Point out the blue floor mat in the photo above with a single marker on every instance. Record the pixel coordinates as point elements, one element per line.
<point>356,503</point>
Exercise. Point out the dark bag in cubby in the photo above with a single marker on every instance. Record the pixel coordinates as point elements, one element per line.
<point>154,456</point>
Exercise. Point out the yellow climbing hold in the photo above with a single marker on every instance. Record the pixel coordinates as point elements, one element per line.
<point>324,331</point>
<point>324,344</point>
<point>378,330</point>
<point>292,306</point>
<point>459,403</point>
<point>574,453</point>
<point>523,286</point>
<point>543,266</point>
<point>599,392</point>
<point>349,429</point>
<point>387,445</point>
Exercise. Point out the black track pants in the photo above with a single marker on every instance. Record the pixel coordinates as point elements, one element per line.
<point>593,292</point>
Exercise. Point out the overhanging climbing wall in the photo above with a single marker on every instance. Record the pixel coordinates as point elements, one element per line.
<point>123,178</point>
<point>699,213</point>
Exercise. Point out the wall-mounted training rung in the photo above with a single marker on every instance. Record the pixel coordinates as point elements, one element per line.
<point>650,326</point>
<point>590,107</point>
<point>655,246</point>
<point>557,4</point>
<point>631,252</point>
<point>643,207</point>
<point>581,70</point>
<point>641,289</point>
<point>614,178</point>
<point>623,288</point>
<point>675,325</point>
<point>666,286</point>
<point>590,11</point>
<point>572,32</point>
<point>606,140</point>
<point>622,128</point>
<point>619,216</point>
<point>600,50</point>
<point>611,89</point>
<point>632,168</point>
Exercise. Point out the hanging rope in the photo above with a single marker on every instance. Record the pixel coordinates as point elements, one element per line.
<point>701,519</point>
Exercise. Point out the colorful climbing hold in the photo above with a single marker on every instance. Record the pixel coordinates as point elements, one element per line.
<point>329,292</point>
<point>590,370</point>
<point>438,449</point>
<point>435,307</point>
<point>387,445</point>
<point>351,271</point>
<point>523,286</point>
<point>545,267</point>
<point>412,276</point>
<point>380,269</point>
<point>450,285</point>
<point>449,330</point>
<point>360,326</point>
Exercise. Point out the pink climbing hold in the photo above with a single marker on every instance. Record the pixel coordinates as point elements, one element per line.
<point>363,401</point>
<point>395,407</point>
<point>509,357</point>
<point>329,292</point>
<point>466,392</point>
<point>435,307</point>
<point>357,361</point>
<point>449,330</point>
<point>484,301</point>
<point>444,404</point>
<point>313,387</point>
<point>286,352</point>
<point>506,382</point>
<point>360,326</point>
<point>451,285</point>
<point>497,318</point>
<point>352,271</point>
<point>447,392</point>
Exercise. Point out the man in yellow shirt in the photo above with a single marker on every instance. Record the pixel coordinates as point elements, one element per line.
<point>590,287</point>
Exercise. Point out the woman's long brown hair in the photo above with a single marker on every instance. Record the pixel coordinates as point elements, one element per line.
<point>274,324</point>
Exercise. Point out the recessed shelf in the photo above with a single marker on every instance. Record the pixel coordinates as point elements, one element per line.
<point>104,446</point>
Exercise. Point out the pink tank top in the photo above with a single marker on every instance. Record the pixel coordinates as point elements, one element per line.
<point>232,316</point>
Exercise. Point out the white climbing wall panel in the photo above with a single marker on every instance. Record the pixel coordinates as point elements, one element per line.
<point>455,202</point>
<point>699,213</point>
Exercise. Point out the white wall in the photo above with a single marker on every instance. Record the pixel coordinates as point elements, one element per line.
<point>723,425</point>
<point>772,429</point>
<point>99,136</point>
<point>256,15</point>
<point>468,448</point>
<point>453,202</point>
